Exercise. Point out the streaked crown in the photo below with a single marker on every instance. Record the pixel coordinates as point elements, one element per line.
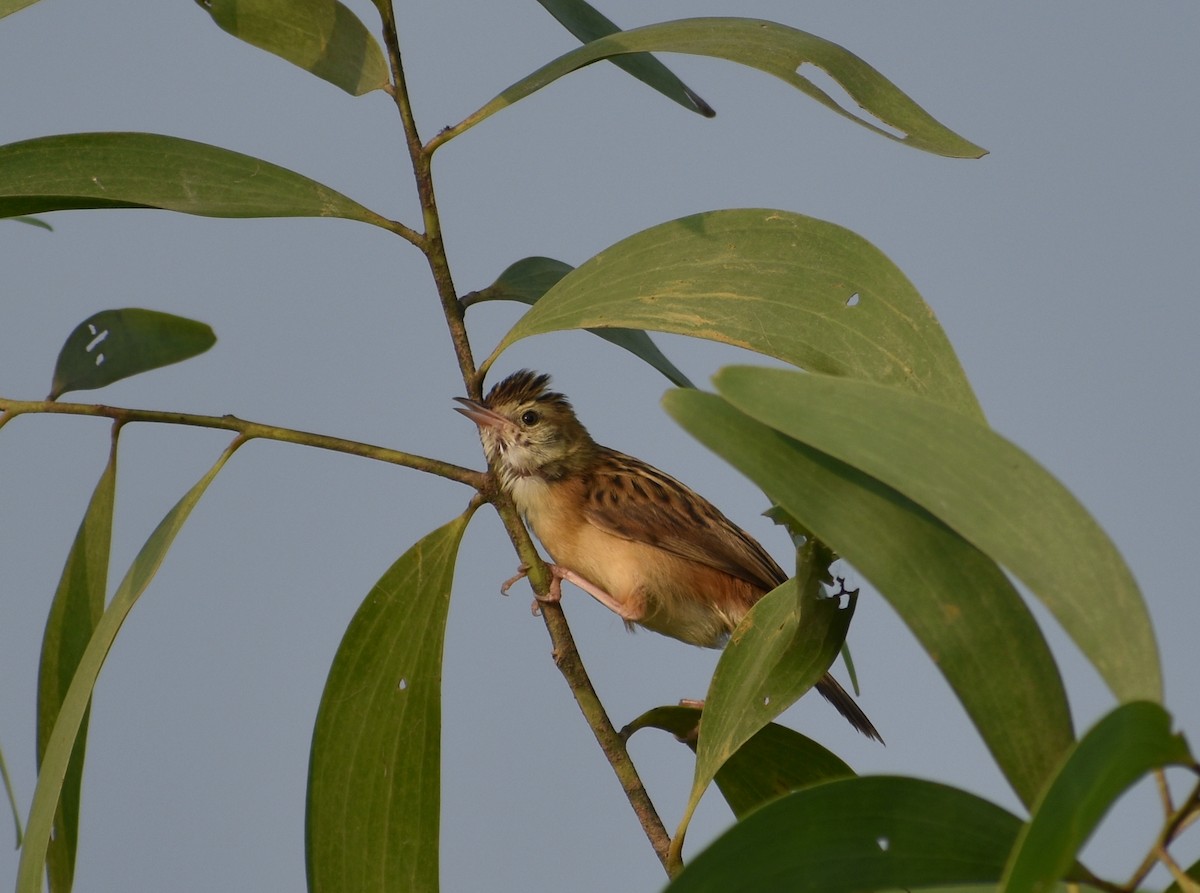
<point>542,436</point>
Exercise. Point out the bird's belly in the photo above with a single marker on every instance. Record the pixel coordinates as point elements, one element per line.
<point>659,590</point>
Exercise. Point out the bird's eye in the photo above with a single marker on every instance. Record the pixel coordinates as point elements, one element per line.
<point>529,417</point>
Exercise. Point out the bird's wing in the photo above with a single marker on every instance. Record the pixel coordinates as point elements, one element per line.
<point>635,501</point>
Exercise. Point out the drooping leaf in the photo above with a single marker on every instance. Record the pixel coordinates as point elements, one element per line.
<point>587,23</point>
<point>773,282</point>
<point>531,277</point>
<point>74,612</point>
<point>855,834</point>
<point>74,706</point>
<point>374,778</point>
<point>321,36</point>
<point>957,602</point>
<point>986,489</point>
<point>775,760</point>
<point>770,47</point>
<point>781,648</point>
<point>115,344</point>
<point>8,7</point>
<point>148,170</point>
<point>1129,742</point>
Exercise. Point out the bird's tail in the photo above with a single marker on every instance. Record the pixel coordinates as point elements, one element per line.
<point>840,698</point>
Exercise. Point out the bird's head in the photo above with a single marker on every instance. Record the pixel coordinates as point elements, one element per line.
<point>527,429</point>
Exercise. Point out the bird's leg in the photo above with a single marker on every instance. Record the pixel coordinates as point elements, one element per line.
<point>558,573</point>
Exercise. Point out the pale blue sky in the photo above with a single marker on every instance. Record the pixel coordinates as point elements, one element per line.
<point>1061,266</point>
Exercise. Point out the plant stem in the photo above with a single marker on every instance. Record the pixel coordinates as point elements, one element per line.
<point>10,409</point>
<point>1176,821</point>
<point>566,655</point>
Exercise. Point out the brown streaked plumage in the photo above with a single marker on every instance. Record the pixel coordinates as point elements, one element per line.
<point>641,543</point>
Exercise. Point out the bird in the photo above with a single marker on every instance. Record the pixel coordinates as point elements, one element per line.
<point>647,547</point>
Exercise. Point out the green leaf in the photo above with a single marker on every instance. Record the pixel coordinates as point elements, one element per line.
<point>957,602</point>
<point>74,613</point>
<point>61,744</point>
<point>8,7</point>
<point>775,761</point>
<point>786,642</point>
<point>770,47</point>
<point>1125,745</point>
<point>531,277</point>
<point>588,24</point>
<point>855,834</point>
<point>147,170</point>
<point>115,344</point>
<point>321,36</point>
<point>774,282</point>
<point>985,488</point>
<point>374,778</point>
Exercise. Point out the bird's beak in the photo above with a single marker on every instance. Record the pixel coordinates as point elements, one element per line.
<point>481,415</point>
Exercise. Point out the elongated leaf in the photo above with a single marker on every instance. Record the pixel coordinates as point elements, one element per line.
<point>775,761</point>
<point>956,601</point>
<point>1129,742</point>
<point>147,170</point>
<point>531,277</point>
<point>985,488</point>
<point>855,834</point>
<point>115,344</point>
<point>75,703</point>
<point>588,24</point>
<point>8,7</point>
<point>770,47</point>
<point>321,36</point>
<point>374,778</point>
<point>781,648</point>
<point>773,282</point>
<point>74,613</point>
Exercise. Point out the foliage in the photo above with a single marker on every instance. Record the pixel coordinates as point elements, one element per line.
<point>841,448</point>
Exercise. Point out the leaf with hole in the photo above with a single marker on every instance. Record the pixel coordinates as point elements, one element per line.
<point>531,277</point>
<point>147,170</point>
<point>786,642</point>
<point>115,344</point>
<point>374,774</point>
<point>770,47</point>
<point>986,489</point>
<point>855,834</point>
<point>956,601</point>
<point>321,36</point>
<point>587,23</point>
<point>75,703</point>
<point>773,282</point>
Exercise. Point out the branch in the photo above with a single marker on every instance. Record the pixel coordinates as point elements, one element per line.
<point>570,664</point>
<point>10,409</point>
<point>1176,821</point>
<point>566,655</point>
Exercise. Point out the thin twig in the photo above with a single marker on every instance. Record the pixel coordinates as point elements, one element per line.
<point>1176,821</point>
<point>10,409</point>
